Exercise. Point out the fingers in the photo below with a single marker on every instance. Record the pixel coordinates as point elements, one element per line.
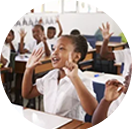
<point>114,82</point>
<point>103,25</point>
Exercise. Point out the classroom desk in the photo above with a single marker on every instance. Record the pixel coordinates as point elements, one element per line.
<point>19,110</point>
<point>85,126</point>
<point>20,64</point>
<point>88,62</point>
<point>111,46</point>
<point>102,77</point>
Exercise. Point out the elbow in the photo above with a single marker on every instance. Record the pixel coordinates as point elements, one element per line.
<point>92,108</point>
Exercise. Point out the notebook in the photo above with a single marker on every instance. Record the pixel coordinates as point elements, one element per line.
<point>44,120</point>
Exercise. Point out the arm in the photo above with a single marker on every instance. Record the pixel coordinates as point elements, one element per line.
<point>88,102</point>
<point>43,39</point>
<point>60,27</point>
<point>104,52</point>
<point>28,90</point>
<point>21,46</point>
<point>12,47</point>
<point>3,60</point>
<point>111,94</point>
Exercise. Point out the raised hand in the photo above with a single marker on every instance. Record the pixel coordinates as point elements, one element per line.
<point>71,68</point>
<point>43,37</point>
<point>22,33</point>
<point>111,91</point>
<point>105,31</point>
<point>57,19</point>
<point>34,59</point>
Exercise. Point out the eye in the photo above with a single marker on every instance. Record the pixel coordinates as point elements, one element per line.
<point>61,48</point>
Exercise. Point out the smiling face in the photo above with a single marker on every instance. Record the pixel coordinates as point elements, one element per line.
<point>37,32</point>
<point>51,33</point>
<point>61,52</point>
<point>128,77</point>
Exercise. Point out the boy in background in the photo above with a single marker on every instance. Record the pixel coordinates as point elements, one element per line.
<point>39,41</point>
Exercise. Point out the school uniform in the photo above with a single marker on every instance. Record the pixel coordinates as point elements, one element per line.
<point>51,43</point>
<point>62,99</point>
<point>31,46</point>
<point>120,112</point>
<point>6,53</point>
<point>123,56</point>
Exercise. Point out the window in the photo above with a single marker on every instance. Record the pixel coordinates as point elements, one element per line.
<point>4,5</point>
<point>54,7</point>
<point>84,7</point>
<point>70,6</point>
<point>21,6</point>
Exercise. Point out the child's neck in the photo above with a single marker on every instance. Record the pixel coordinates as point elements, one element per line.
<point>61,74</point>
<point>38,41</point>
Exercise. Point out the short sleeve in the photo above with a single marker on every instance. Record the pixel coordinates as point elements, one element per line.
<point>113,112</point>
<point>119,56</point>
<point>40,85</point>
<point>29,47</point>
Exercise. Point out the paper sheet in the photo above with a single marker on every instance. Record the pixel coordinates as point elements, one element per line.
<point>45,120</point>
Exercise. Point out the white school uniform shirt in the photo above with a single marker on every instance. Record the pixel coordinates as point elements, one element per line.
<point>31,46</point>
<point>123,56</point>
<point>51,42</point>
<point>62,99</point>
<point>120,112</point>
<point>6,53</point>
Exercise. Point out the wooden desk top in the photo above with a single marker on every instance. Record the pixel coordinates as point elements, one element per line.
<point>72,125</point>
<point>111,44</point>
<point>85,126</point>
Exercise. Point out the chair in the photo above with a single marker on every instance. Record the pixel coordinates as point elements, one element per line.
<point>99,90</point>
<point>5,82</point>
<point>115,39</point>
<point>92,42</point>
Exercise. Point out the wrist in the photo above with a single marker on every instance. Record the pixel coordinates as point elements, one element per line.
<point>106,100</point>
<point>29,70</point>
<point>74,78</point>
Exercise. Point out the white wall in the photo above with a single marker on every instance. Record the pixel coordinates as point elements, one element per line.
<point>86,23</point>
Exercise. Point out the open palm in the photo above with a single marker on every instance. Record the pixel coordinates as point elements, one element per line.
<point>105,31</point>
<point>34,59</point>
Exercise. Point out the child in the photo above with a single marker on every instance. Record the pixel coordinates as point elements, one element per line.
<point>112,98</point>
<point>77,32</point>
<point>4,51</point>
<point>9,37</point>
<point>40,41</point>
<point>51,32</point>
<point>67,92</point>
<point>120,56</point>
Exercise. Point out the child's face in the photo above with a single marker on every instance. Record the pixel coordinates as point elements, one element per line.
<point>128,81</point>
<point>61,52</point>
<point>37,32</point>
<point>50,33</point>
<point>9,37</point>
